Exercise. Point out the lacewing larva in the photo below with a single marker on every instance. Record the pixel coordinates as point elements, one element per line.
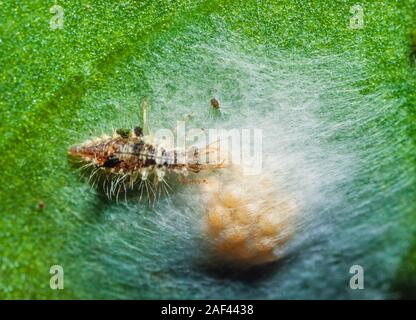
<point>131,159</point>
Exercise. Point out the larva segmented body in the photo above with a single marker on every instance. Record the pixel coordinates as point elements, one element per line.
<point>128,158</point>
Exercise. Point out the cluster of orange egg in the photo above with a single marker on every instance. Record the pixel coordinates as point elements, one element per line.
<point>248,221</point>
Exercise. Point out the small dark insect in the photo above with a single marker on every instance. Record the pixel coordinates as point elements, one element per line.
<point>215,103</point>
<point>41,205</point>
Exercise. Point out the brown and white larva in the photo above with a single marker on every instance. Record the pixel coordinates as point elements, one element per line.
<point>130,159</point>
